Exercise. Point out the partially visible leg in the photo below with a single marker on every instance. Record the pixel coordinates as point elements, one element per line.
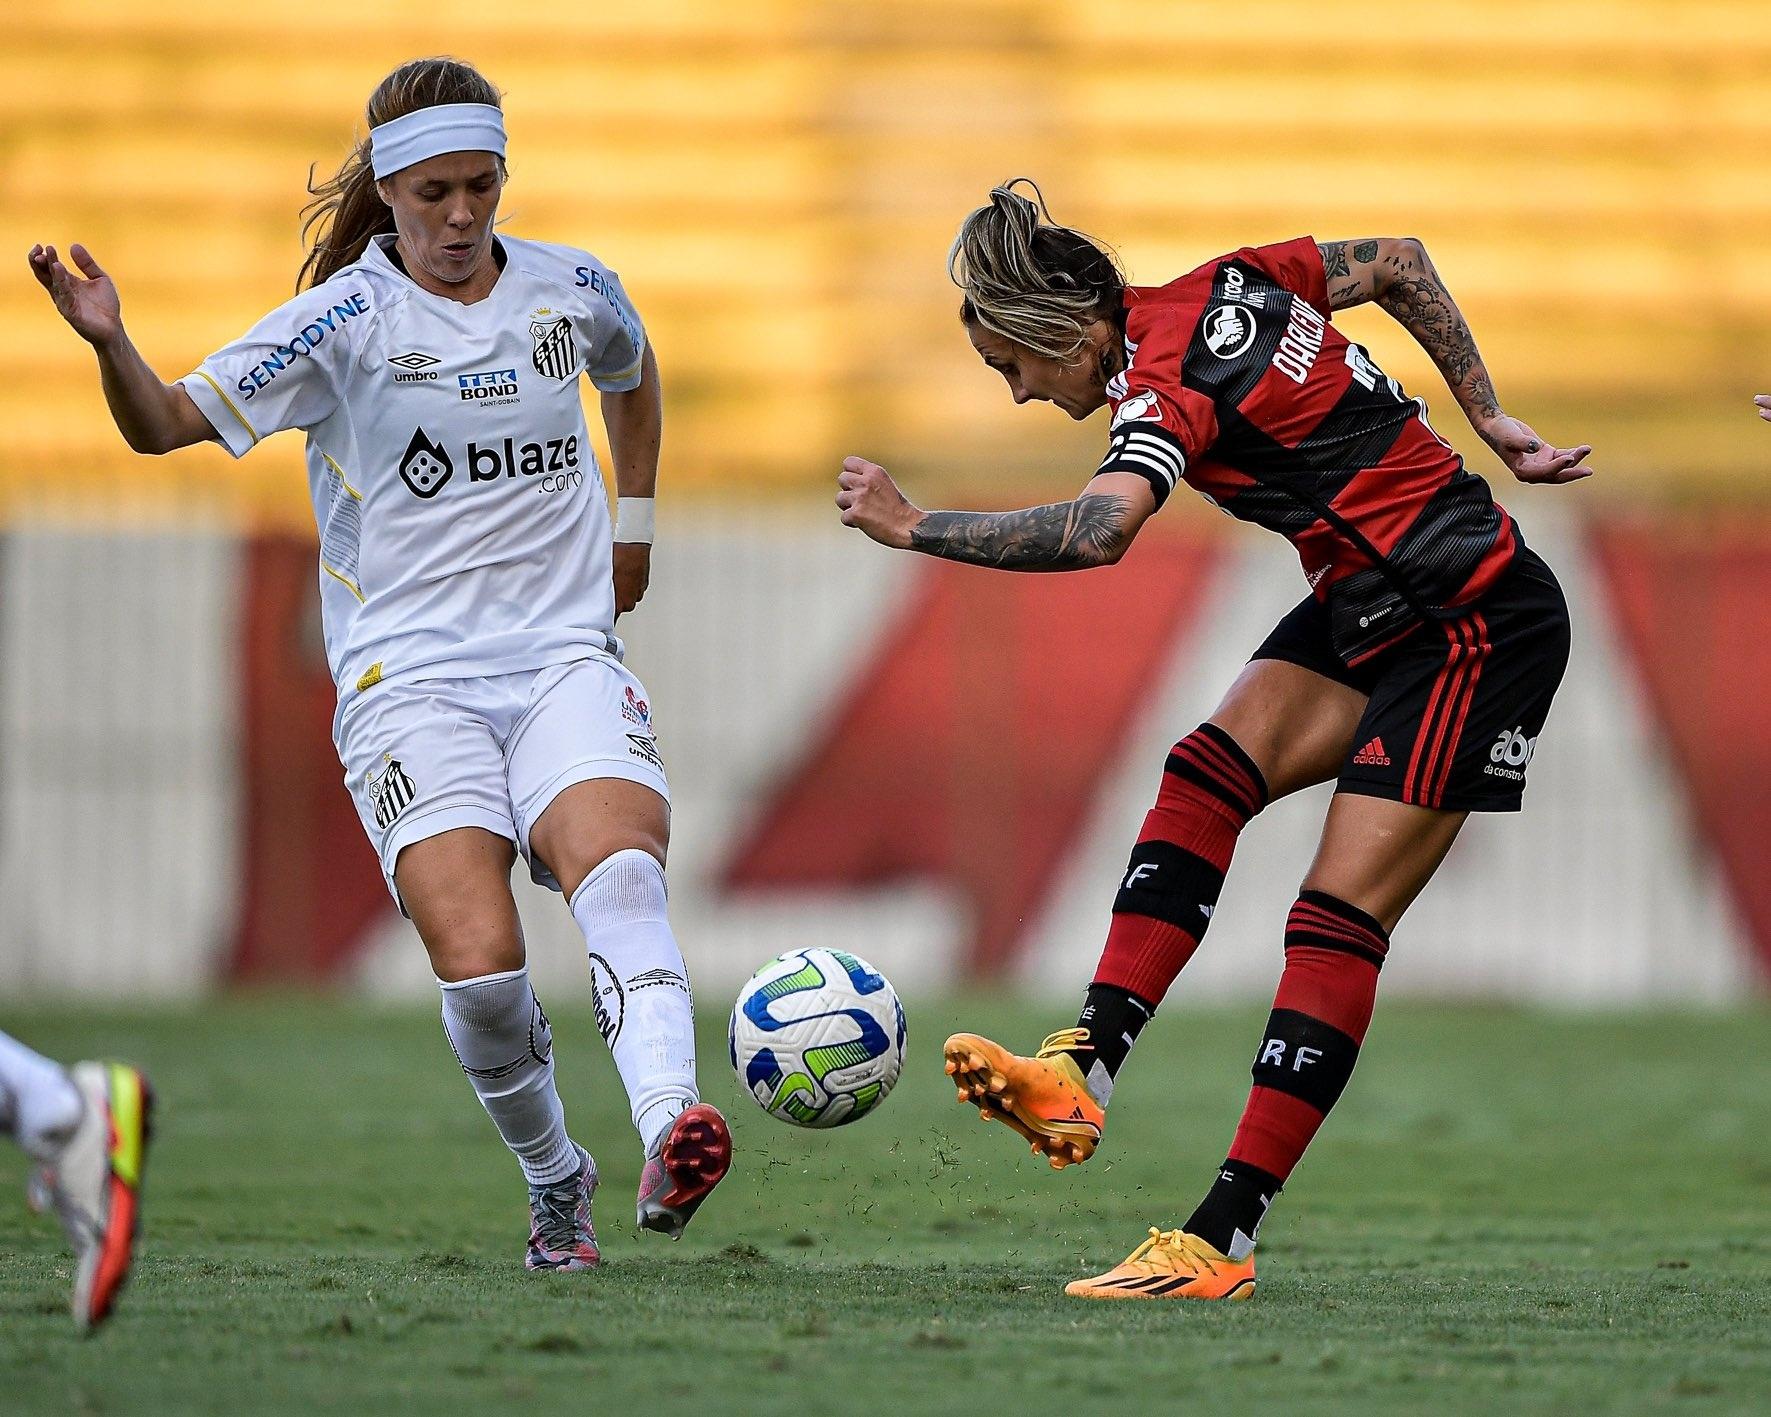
<point>1280,728</point>
<point>39,1104</point>
<point>88,1128</point>
<point>457,887</point>
<point>1375,857</point>
<point>605,841</point>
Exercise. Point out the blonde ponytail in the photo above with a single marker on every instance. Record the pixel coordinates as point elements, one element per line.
<point>1030,280</point>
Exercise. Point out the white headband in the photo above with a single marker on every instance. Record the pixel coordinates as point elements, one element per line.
<point>429,132</point>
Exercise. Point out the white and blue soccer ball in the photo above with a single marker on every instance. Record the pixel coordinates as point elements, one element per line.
<point>817,1037</point>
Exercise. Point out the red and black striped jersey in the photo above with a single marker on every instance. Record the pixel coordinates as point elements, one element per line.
<point>1237,384</point>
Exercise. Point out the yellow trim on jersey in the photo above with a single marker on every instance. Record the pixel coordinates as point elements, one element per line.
<point>342,479</point>
<point>626,373</point>
<point>203,374</point>
<point>344,581</point>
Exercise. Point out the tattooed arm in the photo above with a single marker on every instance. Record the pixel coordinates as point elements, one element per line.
<point>1397,274</point>
<point>1093,530</point>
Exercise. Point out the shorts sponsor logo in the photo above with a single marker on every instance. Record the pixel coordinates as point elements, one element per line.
<point>426,466</point>
<point>645,747</point>
<point>390,792</point>
<point>635,709</point>
<point>1229,331</point>
<point>300,344</point>
<point>555,356</point>
<point>416,367</point>
<point>1140,408</point>
<point>1511,755</point>
<point>607,998</point>
<point>489,387</point>
<point>1372,755</point>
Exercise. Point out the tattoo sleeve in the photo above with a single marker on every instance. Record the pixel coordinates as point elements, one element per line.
<point>1334,258</point>
<point>1413,294</point>
<point>1066,536</point>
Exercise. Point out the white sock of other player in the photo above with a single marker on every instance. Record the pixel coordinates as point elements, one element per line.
<point>39,1105</point>
<point>503,1042</point>
<point>644,1007</point>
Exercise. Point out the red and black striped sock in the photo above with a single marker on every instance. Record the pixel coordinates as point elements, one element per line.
<point>1210,790</point>
<point>1333,952</point>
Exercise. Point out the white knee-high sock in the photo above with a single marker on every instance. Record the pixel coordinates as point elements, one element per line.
<point>39,1104</point>
<point>502,1040</point>
<point>644,1007</point>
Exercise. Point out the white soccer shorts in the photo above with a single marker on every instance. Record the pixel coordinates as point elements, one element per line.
<point>424,758</point>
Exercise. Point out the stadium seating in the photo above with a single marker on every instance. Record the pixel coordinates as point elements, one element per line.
<point>778,181</point>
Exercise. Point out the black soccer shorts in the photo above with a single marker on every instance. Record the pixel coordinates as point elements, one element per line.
<point>1457,706</point>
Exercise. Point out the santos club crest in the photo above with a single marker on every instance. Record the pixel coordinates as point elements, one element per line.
<point>390,793</point>
<point>555,356</point>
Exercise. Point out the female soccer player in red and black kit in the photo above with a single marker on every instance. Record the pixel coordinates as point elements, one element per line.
<point>1417,673</point>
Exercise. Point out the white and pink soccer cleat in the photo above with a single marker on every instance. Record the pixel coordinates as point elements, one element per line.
<point>691,1160</point>
<point>561,1236</point>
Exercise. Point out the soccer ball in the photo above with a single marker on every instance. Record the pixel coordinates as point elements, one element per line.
<point>817,1037</point>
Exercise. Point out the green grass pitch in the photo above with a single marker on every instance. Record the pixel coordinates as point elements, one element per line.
<point>1508,1210</point>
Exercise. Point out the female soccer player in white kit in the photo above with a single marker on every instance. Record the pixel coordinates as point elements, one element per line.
<point>469,590</point>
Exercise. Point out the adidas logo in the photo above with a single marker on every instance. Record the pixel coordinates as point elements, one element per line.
<point>1372,755</point>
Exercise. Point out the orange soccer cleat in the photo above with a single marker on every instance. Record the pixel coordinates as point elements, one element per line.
<point>1171,1264</point>
<point>1043,1097</point>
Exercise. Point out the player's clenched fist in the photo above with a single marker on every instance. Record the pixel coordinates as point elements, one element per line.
<point>869,499</point>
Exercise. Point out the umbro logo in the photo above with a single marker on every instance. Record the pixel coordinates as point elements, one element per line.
<point>1372,755</point>
<point>654,977</point>
<point>416,367</point>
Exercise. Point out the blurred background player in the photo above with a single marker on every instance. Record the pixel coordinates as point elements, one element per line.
<point>1417,674</point>
<point>86,1131</point>
<point>469,588</point>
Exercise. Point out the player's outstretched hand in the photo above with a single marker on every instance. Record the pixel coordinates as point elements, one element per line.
<point>870,500</point>
<point>1530,458</point>
<point>1763,403</point>
<point>633,573</point>
<point>87,301</point>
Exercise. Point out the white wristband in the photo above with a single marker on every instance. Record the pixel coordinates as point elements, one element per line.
<point>634,520</point>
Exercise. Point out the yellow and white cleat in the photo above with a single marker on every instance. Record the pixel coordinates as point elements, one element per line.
<point>1171,1264</point>
<point>1043,1097</point>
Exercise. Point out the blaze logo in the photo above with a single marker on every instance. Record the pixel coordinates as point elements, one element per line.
<point>426,466</point>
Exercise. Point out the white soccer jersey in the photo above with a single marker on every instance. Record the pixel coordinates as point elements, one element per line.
<point>464,529</point>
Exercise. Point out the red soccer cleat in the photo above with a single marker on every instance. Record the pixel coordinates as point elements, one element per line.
<point>693,1158</point>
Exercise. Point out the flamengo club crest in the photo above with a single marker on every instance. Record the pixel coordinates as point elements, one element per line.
<point>391,793</point>
<point>555,356</point>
